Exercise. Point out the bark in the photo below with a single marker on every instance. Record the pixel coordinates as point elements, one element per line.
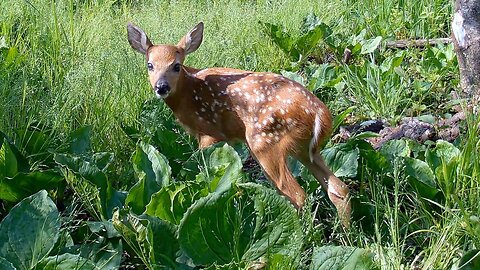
<point>466,38</point>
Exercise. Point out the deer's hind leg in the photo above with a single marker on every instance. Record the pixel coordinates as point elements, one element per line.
<point>337,190</point>
<point>272,157</point>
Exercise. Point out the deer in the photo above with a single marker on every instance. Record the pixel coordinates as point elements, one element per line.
<point>276,117</point>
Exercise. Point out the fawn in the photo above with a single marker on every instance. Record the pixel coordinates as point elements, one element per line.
<point>275,116</point>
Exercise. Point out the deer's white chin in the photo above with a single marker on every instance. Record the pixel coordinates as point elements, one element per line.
<point>162,95</point>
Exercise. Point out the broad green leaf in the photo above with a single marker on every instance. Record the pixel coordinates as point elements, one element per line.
<point>240,224</point>
<point>282,262</point>
<point>375,161</point>
<point>102,160</point>
<point>469,261</point>
<point>6,265</point>
<point>338,120</point>
<point>172,201</point>
<point>29,231</point>
<point>325,75</point>
<point>104,228</point>
<point>392,62</point>
<point>226,158</point>
<point>395,149</point>
<point>170,140</point>
<point>66,262</point>
<point>80,140</point>
<point>103,246</point>
<point>11,161</point>
<point>35,143</point>
<point>309,22</point>
<point>218,165</point>
<point>308,41</point>
<point>341,258</point>
<point>283,40</point>
<point>26,184</point>
<point>197,163</point>
<point>153,173</point>
<point>83,167</point>
<point>369,46</point>
<point>444,152</point>
<point>64,241</point>
<point>294,76</point>
<point>342,159</point>
<point>152,239</point>
<point>421,177</point>
<point>131,132</point>
<point>87,169</point>
<point>230,266</point>
<point>104,253</point>
<point>364,135</point>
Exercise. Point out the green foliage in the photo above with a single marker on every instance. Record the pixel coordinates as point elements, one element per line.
<point>30,236</point>
<point>29,231</point>
<point>151,238</point>
<point>172,201</point>
<point>66,261</point>
<point>342,159</point>
<point>240,224</point>
<point>298,48</point>
<point>16,179</point>
<point>102,246</point>
<point>153,173</point>
<point>341,258</point>
<point>469,261</point>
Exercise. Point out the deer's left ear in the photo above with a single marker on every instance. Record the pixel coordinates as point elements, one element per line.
<point>192,40</point>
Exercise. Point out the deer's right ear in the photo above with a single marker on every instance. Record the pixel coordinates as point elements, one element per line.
<point>138,39</point>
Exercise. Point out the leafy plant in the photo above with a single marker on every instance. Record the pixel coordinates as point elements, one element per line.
<point>313,31</point>
<point>153,173</point>
<point>241,225</point>
<point>341,258</point>
<point>16,179</point>
<point>29,231</point>
<point>30,236</point>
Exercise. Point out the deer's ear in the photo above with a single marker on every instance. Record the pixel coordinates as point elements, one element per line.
<point>138,39</point>
<point>192,40</point>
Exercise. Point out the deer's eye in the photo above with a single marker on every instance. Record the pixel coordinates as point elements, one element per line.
<point>176,67</point>
<point>150,66</point>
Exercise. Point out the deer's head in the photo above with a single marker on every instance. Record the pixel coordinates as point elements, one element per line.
<point>164,62</point>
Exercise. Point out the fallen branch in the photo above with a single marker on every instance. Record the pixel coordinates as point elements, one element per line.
<point>417,43</point>
<point>410,128</point>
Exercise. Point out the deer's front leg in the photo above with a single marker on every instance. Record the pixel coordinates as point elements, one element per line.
<point>205,141</point>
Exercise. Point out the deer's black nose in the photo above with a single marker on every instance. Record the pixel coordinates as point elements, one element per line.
<point>162,87</point>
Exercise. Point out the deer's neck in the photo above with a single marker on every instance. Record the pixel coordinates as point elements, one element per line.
<point>184,94</point>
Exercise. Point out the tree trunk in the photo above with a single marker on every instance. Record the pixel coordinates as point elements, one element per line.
<point>466,38</point>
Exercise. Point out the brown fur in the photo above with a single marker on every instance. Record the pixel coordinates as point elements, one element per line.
<point>272,114</point>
